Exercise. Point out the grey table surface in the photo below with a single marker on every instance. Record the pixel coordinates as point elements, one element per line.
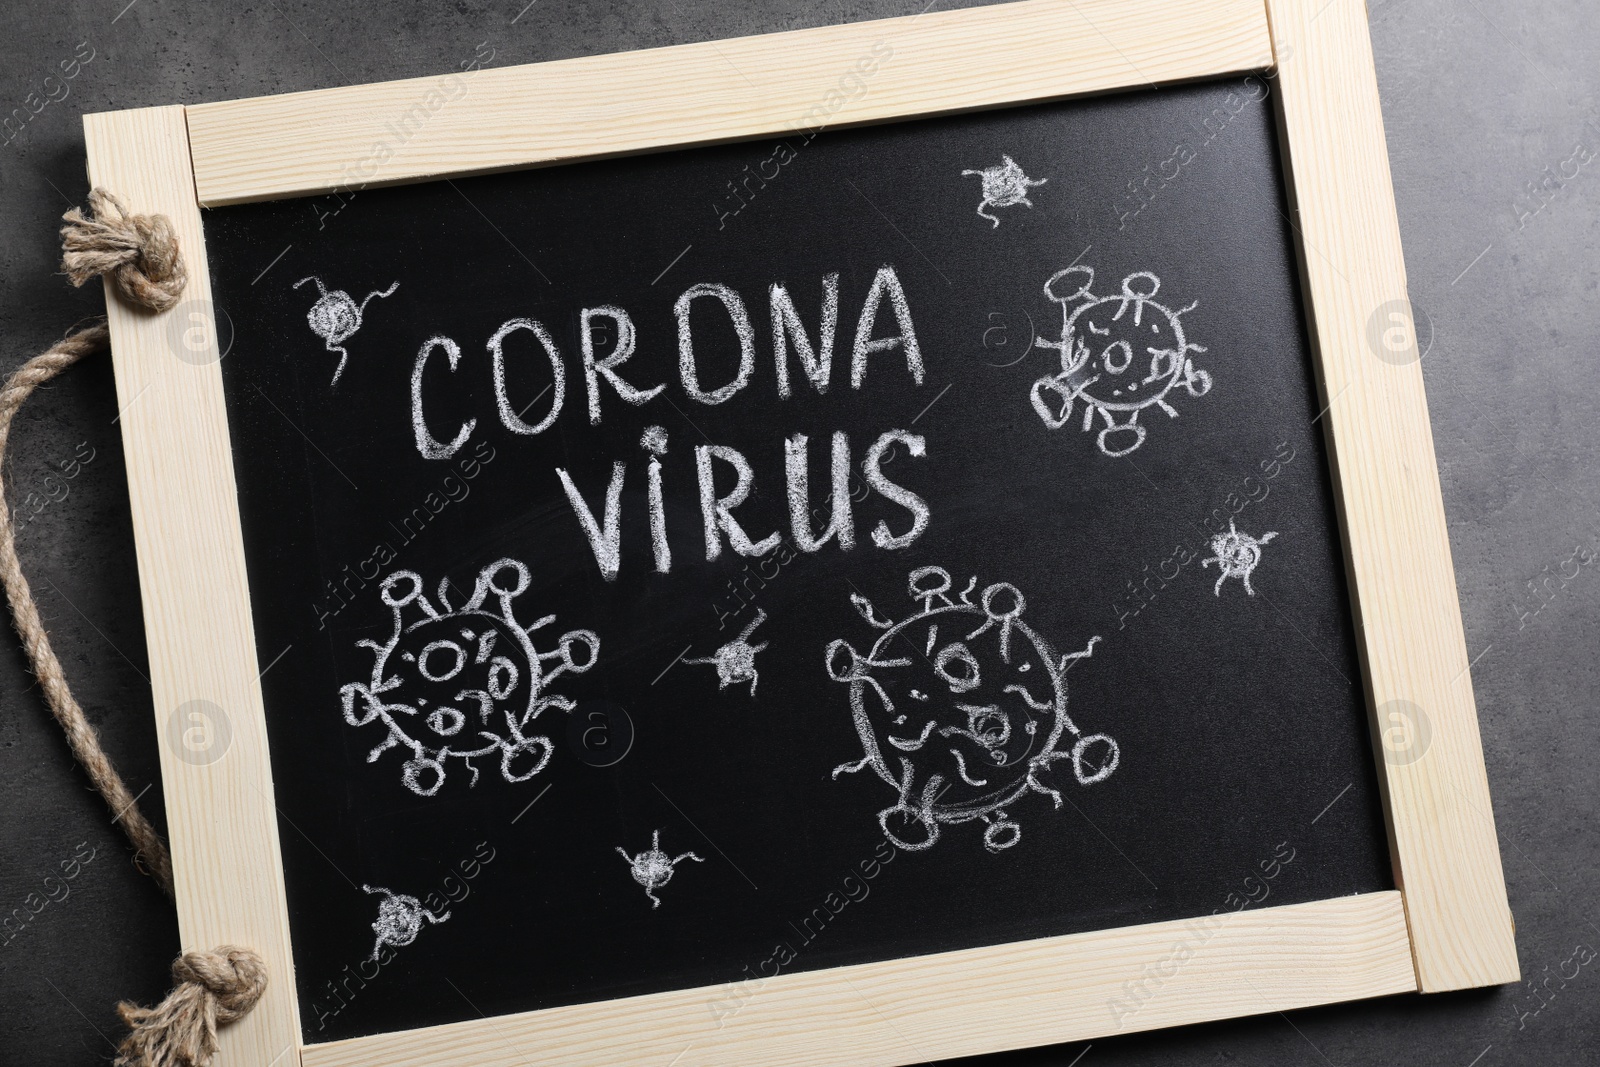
<point>1493,126</point>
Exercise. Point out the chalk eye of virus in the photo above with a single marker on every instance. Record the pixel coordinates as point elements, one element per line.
<point>652,869</point>
<point>400,918</point>
<point>961,708</point>
<point>455,685</point>
<point>1003,186</point>
<point>1121,354</point>
<point>335,318</point>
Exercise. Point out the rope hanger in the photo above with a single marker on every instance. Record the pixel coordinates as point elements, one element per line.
<point>139,254</point>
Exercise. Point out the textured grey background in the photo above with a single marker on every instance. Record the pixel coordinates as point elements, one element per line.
<point>1479,98</point>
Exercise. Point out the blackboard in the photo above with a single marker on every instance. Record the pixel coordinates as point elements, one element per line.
<point>1225,756</point>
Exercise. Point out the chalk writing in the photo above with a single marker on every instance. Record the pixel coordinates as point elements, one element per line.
<point>736,660</point>
<point>764,569</point>
<point>1099,343</point>
<point>1237,555</point>
<point>399,919</point>
<point>335,318</point>
<point>1004,184</point>
<point>652,869</point>
<point>467,681</point>
<point>704,307</point>
<point>971,726</point>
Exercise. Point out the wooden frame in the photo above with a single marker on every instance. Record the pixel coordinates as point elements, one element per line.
<point>1448,926</point>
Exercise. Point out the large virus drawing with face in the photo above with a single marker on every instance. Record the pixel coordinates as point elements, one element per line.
<point>1120,354</point>
<point>460,684</point>
<point>962,710</point>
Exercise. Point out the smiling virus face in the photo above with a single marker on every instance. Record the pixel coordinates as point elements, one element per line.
<point>466,683</point>
<point>961,708</point>
<point>1120,355</point>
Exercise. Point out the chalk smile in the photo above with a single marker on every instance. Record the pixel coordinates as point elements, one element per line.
<point>911,746</point>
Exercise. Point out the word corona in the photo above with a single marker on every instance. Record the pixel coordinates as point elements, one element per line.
<point>704,307</point>
<point>788,329</point>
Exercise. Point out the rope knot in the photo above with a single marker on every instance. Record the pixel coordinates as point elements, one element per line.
<point>139,252</point>
<point>209,989</point>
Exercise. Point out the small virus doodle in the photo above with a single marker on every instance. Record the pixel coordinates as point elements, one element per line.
<point>1237,554</point>
<point>1003,185</point>
<point>466,682</point>
<point>966,724</point>
<point>1099,339</point>
<point>335,318</point>
<point>399,919</point>
<point>652,869</point>
<point>736,660</point>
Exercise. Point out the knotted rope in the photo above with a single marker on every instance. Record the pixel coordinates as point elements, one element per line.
<point>126,246</point>
<point>138,252</point>
<point>209,988</point>
<point>140,255</point>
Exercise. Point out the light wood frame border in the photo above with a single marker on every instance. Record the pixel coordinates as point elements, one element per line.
<point>1447,927</point>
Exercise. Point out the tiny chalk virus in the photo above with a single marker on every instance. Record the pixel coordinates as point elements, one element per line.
<point>400,919</point>
<point>652,869</point>
<point>1237,555</point>
<point>1003,185</point>
<point>963,723</point>
<point>462,683</point>
<point>736,660</point>
<point>1102,338</point>
<point>335,318</point>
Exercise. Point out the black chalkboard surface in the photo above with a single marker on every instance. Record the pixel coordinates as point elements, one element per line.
<point>602,657</point>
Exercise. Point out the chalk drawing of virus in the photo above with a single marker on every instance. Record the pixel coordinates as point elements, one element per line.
<point>1003,185</point>
<point>1236,556</point>
<point>463,683</point>
<point>736,660</point>
<point>400,919</point>
<point>1104,345</point>
<point>960,708</point>
<point>652,869</point>
<point>335,318</point>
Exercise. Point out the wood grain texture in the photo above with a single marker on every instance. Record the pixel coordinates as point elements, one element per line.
<point>597,106</point>
<point>932,1008</point>
<point>1430,757</point>
<point>221,820</point>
